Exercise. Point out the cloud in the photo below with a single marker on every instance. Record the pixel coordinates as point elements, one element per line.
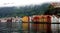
<point>4,3</point>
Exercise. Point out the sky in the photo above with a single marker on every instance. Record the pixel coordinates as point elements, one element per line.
<point>6,3</point>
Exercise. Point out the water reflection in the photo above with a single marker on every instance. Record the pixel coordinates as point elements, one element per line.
<point>19,27</point>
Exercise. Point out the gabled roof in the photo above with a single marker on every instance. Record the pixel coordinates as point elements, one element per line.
<point>55,4</point>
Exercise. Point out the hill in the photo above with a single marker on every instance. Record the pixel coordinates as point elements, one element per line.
<point>24,10</point>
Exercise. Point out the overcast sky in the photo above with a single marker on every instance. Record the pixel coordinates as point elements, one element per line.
<point>4,3</point>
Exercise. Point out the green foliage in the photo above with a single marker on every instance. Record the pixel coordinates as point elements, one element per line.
<point>24,11</point>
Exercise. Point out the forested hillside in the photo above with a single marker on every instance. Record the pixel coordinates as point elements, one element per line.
<point>24,10</point>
